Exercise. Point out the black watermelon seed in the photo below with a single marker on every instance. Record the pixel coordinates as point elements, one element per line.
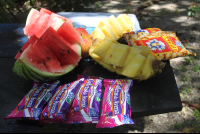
<point>48,58</point>
<point>62,54</point>
<point>44,63</point>
<point>68,51</point>
<point>20,51</point>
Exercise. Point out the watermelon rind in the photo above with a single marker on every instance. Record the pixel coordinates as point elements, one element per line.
<point>18,69</point>
<point>37,77</point>
<point>29,72</point>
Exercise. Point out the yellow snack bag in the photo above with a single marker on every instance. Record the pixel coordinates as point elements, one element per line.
<point>164,44</point>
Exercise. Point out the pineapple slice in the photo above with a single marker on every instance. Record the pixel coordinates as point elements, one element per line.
<point>133,52</point>
<point>108,32</point>
<point>95,43</point>
<point>118,55</point>
<point>122,22</point>
<point>109,53</point>
<point>134,68</point>
<point>151,67</point>
<point>97,33</point>
<point>145,50</point>
<point>102,23</point>
<point>114,25</point>
<point>147,70</point>
<point>102,47</point>
<point>130,23</point>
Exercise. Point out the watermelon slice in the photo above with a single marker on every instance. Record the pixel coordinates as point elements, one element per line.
<point>41,24</point>
<point>43,10</point>
<point>69,33</point>
<point>55,21</point>
<point>32,22</point>
<point>31,40</point>
<point>31,15</point>
<point>47,58</point>
<point>63,51</point>
<point>37,22</point>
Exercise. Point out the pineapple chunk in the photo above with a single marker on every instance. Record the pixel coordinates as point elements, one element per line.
<point>102,48</point>
<point>130,23</point>
<point>102,23</point>
<point>134,68</point>
<point>109,53</point>
<point>119,55</point>
<point>108,32</point>
<point>147,70</point>
<point>122,22</point>
<point>114,41</point>
<point>114,25</point>
<point>133,52</point>
<point>97,33</point>
<point>95,43</point>
<point>145,50</point>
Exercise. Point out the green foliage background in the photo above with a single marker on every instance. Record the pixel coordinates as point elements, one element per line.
<point>8,6</point>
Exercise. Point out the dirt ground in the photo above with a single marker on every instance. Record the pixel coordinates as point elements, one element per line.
<point>168,15</point>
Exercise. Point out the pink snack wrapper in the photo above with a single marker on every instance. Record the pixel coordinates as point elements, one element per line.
<point>33,102</point>
<point>85,107</point>
<point>116,105</point>
<point>58,107</point>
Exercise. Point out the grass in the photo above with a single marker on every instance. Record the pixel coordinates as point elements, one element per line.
<point>196,113</point>
<point>190,59</point>
<point>177,125</point>
<point>186,91</point>
<point>97,4</point>
<point>196,68</point>
<point>183,68</point>
<point>185,79</point>
<point>128,10</point>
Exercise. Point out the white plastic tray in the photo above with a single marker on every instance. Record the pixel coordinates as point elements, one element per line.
<point>93,19</point>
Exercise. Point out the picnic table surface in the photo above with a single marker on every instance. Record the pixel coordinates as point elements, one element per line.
<point>153,96</point>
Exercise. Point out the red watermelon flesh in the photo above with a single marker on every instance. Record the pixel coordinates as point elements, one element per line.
<point>49,58</point>
<point>63,51</point>
<point>43,10</point>
<point>42,24</point>
<point>29,29</point>
<point>34,58</point>
<point>69,33</point>
<point>55,21</point>
<point>31,40</point>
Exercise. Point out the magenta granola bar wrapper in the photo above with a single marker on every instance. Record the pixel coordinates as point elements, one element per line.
<point>85,107</point>
<point>59,105</point>
<point>116,105</point>
<point>33,102</point>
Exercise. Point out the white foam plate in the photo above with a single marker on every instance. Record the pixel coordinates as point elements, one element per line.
<point>93,19</point>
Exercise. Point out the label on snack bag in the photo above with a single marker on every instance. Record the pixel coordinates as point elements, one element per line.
<point>58,106</point>
<point>146,31</point>
<point>85,107</point>
<point>116,107</point>
<point>33,102</point>
<point>163,44</point>
<point>115,99</point>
